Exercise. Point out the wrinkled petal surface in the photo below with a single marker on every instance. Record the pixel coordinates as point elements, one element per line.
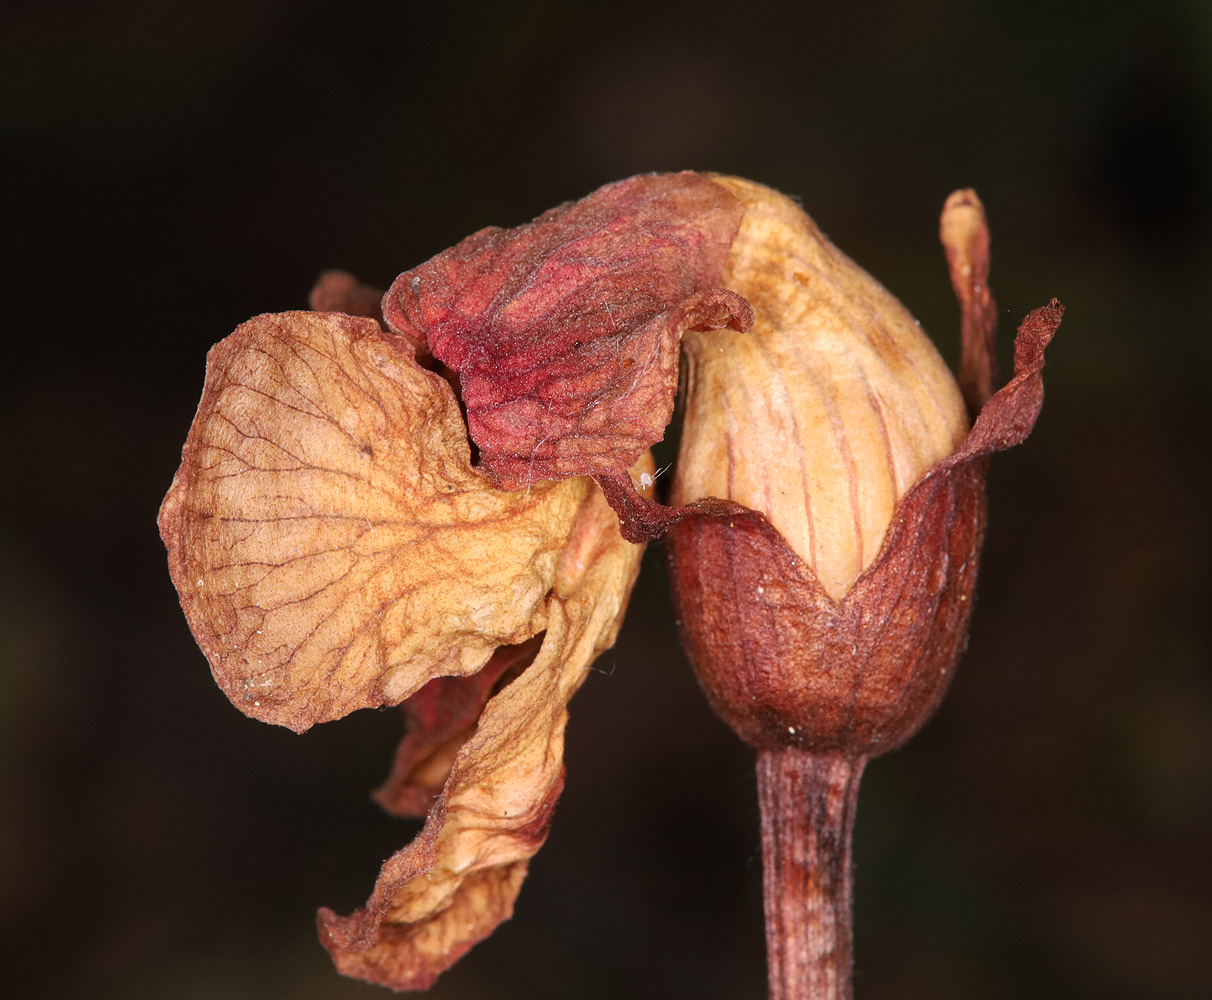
<point>334,549</point>
<point>331,544</point>
<point>457,881</point>
<point>565,331</point>
<point>438,720</point>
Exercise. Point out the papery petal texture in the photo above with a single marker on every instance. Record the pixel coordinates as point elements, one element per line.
<point>334,549</point>
<point>331,544</point>
<point>458,879</point>
<point>438,720</point>
<point>565,331</point>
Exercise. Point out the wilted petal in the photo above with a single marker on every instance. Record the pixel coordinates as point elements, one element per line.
<point>458,879</point>
<point>565,331</point>
<point>438,720</point>
<point>331,544</point>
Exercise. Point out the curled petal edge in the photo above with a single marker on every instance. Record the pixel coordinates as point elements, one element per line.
<point>565,330</point>
<point>458,879</point>
<point>438,720</point>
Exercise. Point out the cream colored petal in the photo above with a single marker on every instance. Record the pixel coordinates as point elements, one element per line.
<point>331,544</point>
<point>828,410</point>
<point>458,879</point>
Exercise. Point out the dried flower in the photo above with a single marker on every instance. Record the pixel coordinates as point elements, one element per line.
<point>830,614</point>
<point>335,548</point>
<point>825,621</point>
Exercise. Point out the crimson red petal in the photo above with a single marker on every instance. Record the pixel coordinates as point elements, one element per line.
<point>565,331</point>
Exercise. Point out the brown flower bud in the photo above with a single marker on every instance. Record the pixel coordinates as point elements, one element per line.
<point>829,616</point>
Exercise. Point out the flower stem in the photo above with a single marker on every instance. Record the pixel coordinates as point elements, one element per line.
<point>808,803</point>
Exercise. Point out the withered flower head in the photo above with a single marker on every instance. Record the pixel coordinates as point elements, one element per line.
<point>830,614</point>
<point>335,548</point>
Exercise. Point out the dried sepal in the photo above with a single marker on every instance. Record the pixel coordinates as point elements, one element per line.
<point>331,544</point>
<point>565,331</point>
<point>458,880</point>
<point>964,234</point>
<point>859,674</point>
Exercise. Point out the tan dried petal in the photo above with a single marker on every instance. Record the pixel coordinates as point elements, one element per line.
<point>438,720</point>
<point>828,411</point>
<point>332,546</point>
<point>458,880</point>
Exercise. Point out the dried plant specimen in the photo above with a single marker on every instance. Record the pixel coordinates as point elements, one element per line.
<point>335,546</point>
<point>825,621</point>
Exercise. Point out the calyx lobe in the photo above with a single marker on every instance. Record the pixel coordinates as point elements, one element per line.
<point>860,674</point>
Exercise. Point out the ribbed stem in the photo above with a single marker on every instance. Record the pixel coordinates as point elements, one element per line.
<point>808,803</point>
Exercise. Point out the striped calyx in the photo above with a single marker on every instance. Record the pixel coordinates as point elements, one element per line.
<point>828,609</point>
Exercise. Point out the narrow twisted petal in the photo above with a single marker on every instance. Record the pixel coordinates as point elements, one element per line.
<point>458,879</point>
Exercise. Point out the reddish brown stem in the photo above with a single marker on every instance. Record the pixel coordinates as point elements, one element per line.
<point>808,803</point>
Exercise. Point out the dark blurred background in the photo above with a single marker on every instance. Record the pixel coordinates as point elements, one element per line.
<point>169,169</point>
